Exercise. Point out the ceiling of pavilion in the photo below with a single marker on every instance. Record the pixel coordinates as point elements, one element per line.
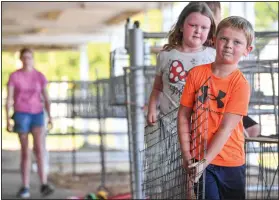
<point>32,22</point>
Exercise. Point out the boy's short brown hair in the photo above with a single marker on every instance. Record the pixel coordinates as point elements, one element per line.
<point>238,23</point>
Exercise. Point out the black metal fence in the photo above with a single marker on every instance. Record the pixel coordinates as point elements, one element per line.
<point>262,168</point>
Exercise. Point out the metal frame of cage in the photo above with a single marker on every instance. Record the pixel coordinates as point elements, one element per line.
<point>262,167</point>
<point>86,100</point>
<point>132,93</point>
<point>135,46</point>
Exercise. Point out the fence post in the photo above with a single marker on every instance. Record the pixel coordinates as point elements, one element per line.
<point>73,102</point>
<point>101,117</point>
<point>128,26</point>
<point>136,50</point>
<point>274,97</point>
<point>126,79</point>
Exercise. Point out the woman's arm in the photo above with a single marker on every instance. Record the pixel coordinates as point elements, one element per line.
<point>222,135</point>
<point>153,99</point>
<point>9,104</point>
<point>47,105</point>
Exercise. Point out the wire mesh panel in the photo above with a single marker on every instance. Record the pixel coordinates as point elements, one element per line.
<point>85,99</point>
<point>165,178</point>
<point>261,70</point>
<point>262,168</point>
<point>83,108</point>
<point>119,84</point>
<point>117,90</point>
<point>132,107</point>
<point>163,174</point>
<point>260,104</point>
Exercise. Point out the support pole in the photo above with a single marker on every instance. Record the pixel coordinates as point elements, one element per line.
<point>130,134</point>
<point>136,50</point>
<point>128,26</point>
<point>84,76</point>
<point>73,102</point>
<point>274,97</point>
<point>101,133</point>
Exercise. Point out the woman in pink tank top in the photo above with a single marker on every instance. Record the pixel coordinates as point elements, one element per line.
<point>26,87</point>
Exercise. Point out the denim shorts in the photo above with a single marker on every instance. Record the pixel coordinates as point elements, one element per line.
<point>24,122</point>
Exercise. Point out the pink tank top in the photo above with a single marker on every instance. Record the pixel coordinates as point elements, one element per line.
<point>28,88</point>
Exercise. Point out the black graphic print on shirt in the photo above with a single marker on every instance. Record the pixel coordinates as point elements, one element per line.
<point>204,94</point>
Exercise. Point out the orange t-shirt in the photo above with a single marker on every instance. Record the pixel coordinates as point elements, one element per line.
<point>211,97</point>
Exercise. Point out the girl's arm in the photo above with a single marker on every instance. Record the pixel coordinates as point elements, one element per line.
<point>153,99</point>
<point>184,129</point>
<point>223,133</point>
<point>9,104</point>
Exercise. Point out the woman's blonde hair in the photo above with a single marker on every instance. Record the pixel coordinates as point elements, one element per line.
<point>240,23</point>
<point>175,36</point>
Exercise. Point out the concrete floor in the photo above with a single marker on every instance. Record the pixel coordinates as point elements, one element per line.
<point>11,180</point>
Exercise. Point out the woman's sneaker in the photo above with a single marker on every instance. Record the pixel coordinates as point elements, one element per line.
<point>46,189</point>
<point>23,193</point>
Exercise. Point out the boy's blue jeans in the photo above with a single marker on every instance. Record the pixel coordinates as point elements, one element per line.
<point>222,183</point>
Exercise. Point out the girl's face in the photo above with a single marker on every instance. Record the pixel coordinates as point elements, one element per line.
<point>27,59</point>
<point>195,29</point>
<point>231,45</point>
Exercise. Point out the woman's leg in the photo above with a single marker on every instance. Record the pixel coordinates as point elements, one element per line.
<point>39,149</point>
<point>38,134</point>
<point>24,159</point>
<point>22,127</point>
<point>37,129</point>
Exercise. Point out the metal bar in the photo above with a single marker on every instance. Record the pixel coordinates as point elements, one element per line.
<point>273,187</point>
<point>157,35</point>
<point>73,131</point>
<point>258,100</point>
<point>264,100</point>
<point>130,134</point>
<point>250,69</point>
<point>112,63</point>
<point>267,34</point>
<point>99,110</point>
<point>128,26</point>
<point>87,133</point>
<point>90,157</point>
<point>260,150</point>
<point>274,98</point>
<point>145,67</point>
<point>137,59</point>
<point>162,35</point>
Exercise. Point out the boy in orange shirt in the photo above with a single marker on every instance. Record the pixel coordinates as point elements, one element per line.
<point>251,127</point>
<point>214,100</point>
